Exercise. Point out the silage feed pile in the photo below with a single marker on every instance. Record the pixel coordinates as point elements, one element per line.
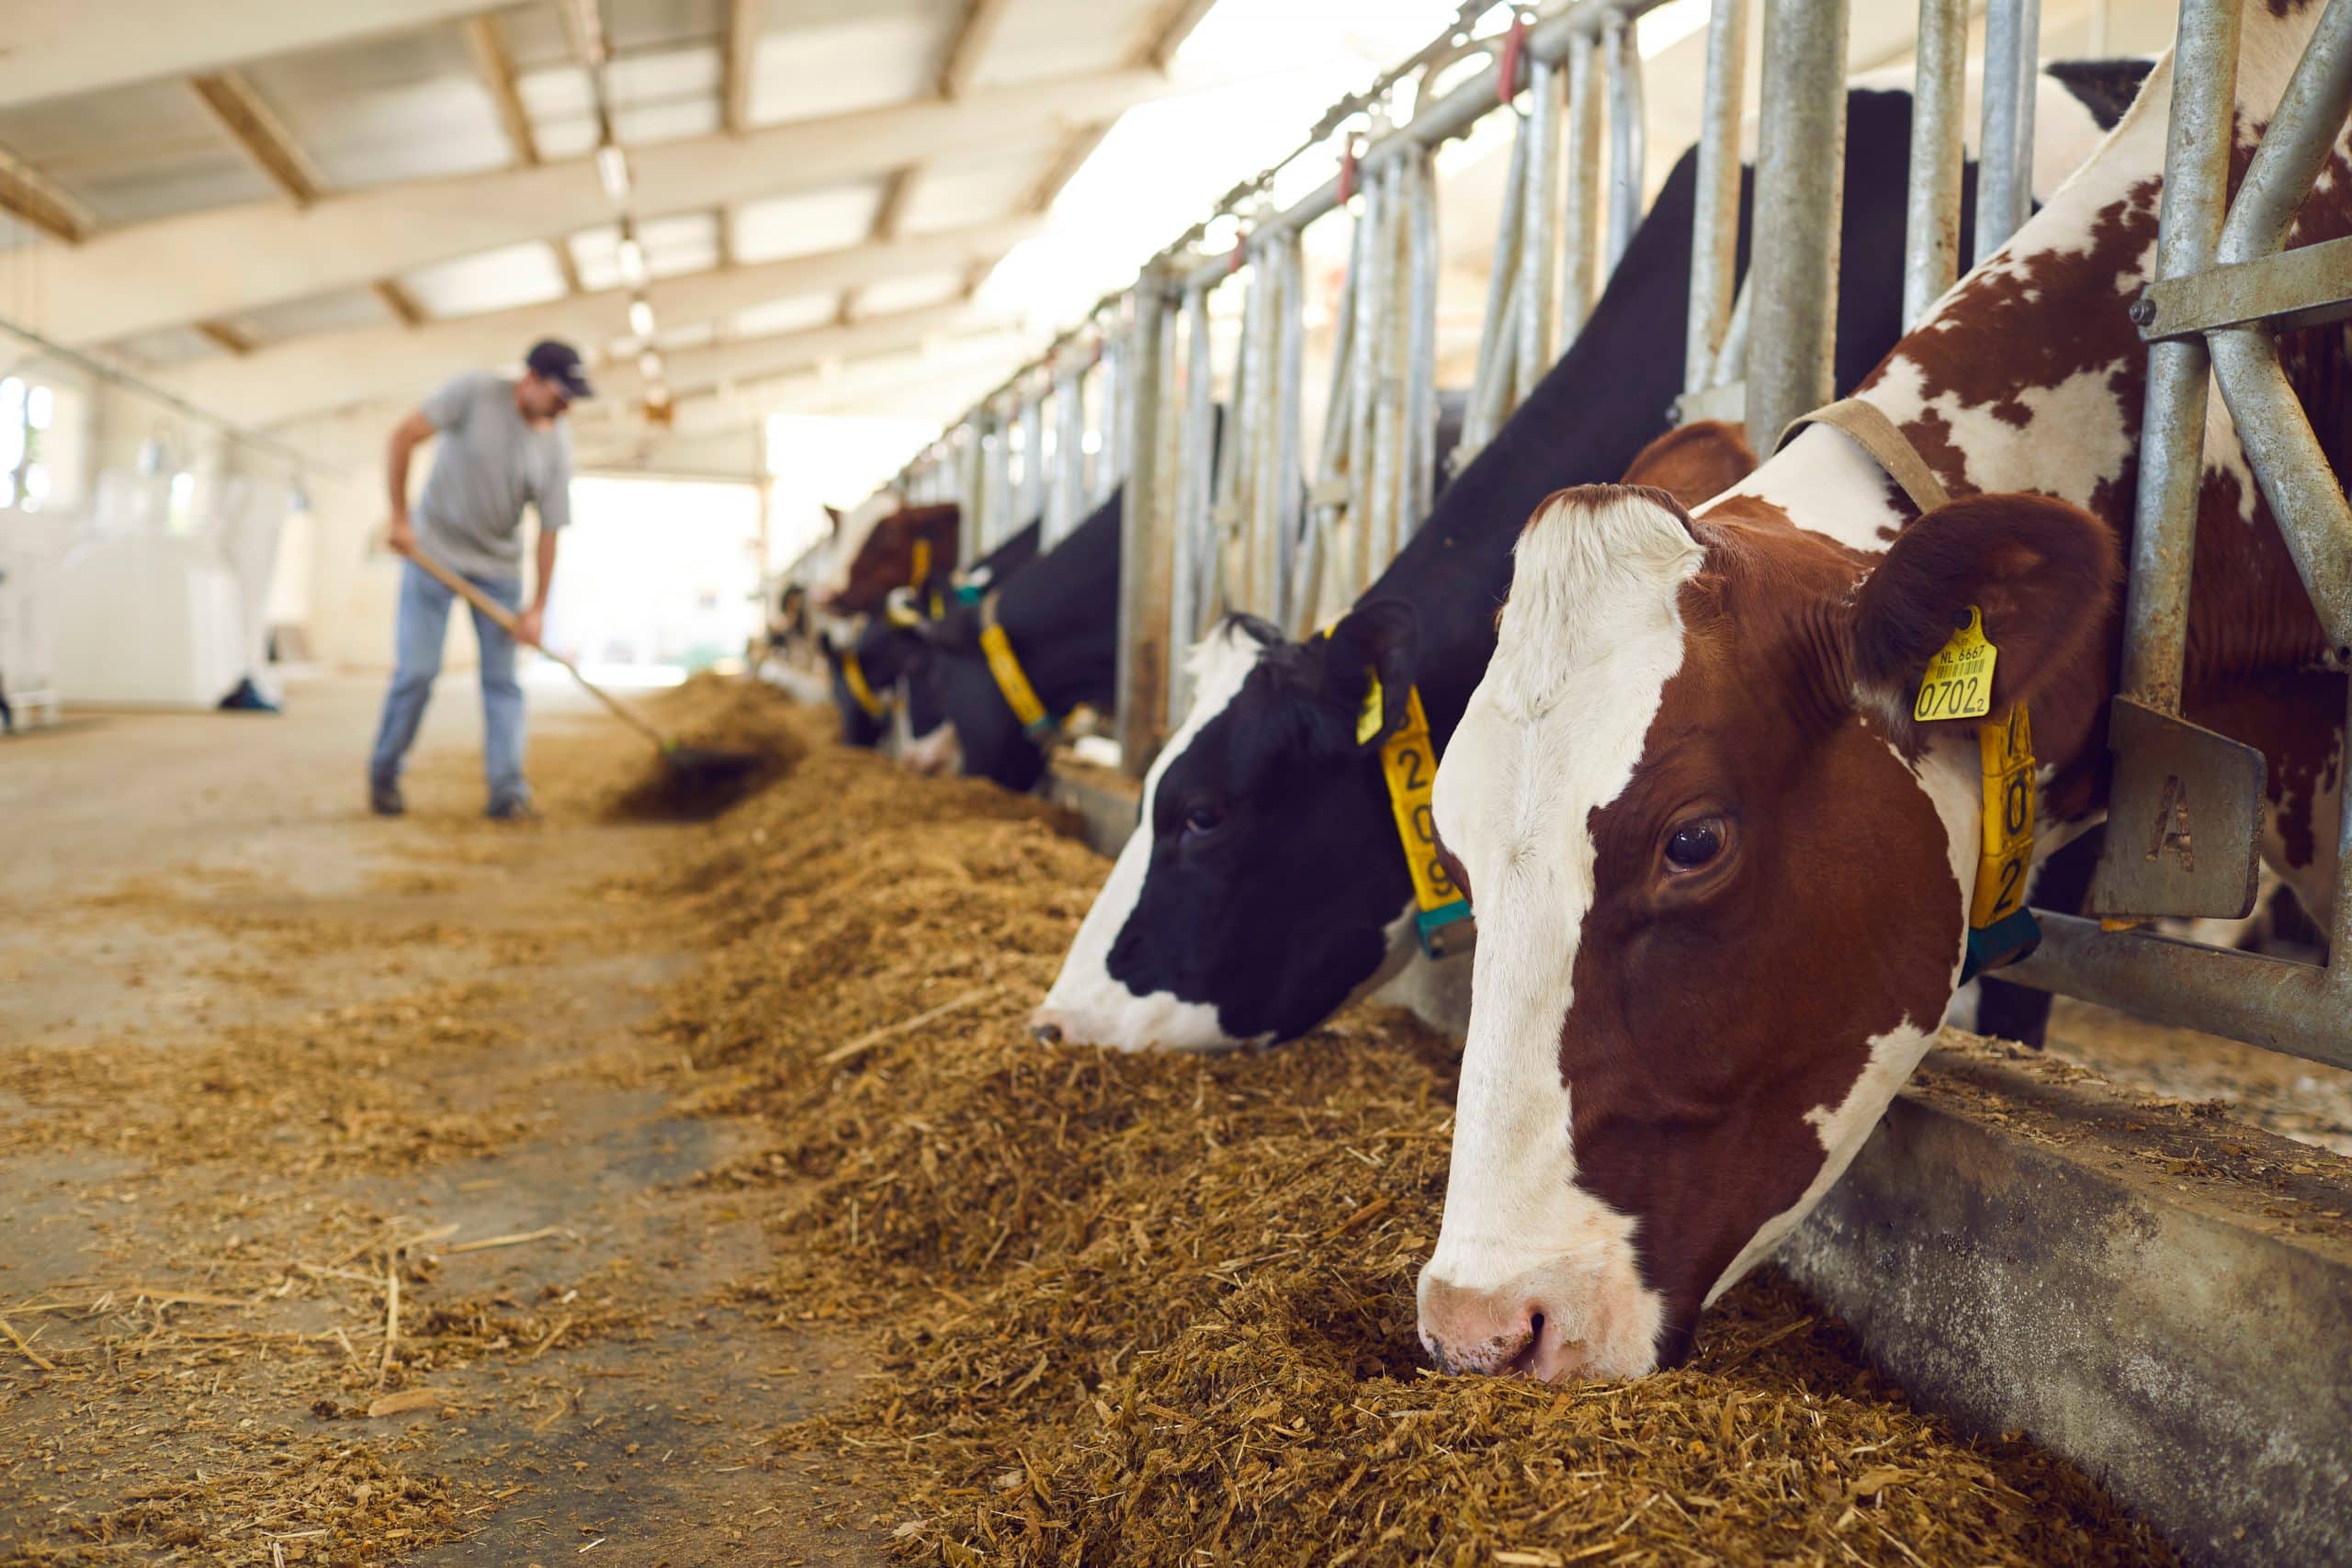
<point>746,720</point>
<point>1160,1310</point>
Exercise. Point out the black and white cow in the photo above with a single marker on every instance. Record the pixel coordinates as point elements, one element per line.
<point>1060,616</point>
<point>1264,885</point>
<point>886,651</point>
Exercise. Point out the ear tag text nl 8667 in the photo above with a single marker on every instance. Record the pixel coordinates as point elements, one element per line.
<point>1959,682</point>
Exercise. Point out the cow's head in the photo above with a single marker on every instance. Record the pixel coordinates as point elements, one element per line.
<point>913,544</point>
<point>1266,883</point>
<point>1720,881</point>
<point>977,731</point>
<point>886,656</point>
<point>1258,890</point>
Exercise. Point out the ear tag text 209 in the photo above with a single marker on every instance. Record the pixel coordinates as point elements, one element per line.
<point>1959,682</point>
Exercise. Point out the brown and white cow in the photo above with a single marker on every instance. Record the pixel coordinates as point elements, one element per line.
<point>914,546</point>
<point>1721,876</point>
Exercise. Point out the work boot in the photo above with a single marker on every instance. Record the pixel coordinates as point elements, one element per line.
<point>384,797</point>
<point>512,808</point>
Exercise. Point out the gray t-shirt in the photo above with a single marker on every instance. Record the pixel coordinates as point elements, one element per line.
<point>488,462</point>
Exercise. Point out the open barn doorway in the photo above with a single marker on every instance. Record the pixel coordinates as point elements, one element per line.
<point>656,578</point>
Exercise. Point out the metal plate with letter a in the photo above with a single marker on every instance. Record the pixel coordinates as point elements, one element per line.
<point>2184,820</point>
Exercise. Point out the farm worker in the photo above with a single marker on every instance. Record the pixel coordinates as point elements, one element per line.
<point>504,442</point>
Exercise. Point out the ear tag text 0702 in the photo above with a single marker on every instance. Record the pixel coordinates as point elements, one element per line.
<point>1959,682</point>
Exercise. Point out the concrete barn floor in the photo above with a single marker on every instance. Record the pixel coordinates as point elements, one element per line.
<point>213,1150</point>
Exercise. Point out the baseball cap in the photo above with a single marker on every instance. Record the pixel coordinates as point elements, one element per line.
<point>559,363</point>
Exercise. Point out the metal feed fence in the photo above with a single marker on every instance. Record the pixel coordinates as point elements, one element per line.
<point>2185,812</point>
<point>1226,511</point>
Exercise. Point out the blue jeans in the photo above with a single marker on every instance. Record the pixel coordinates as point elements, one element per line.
<point>421,629</point>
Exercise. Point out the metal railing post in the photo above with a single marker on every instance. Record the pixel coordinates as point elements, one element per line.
<point>1800,185</point>
<point>1580,211</point>
<point>2005,151</point>
<point>1142,717</point>
<point>1714,220</point>
<point>1537,201</point>
<point>1931,217</point>
<point>1031,500</point>
<point>1285,503</point>
<point>1494,385</point>
<point>1417,485</point>
<point>1195,492</point>
<point>1069,449</point>
<point>1620,41</point>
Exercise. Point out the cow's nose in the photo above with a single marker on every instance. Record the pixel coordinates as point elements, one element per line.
<point>1495,1333</point>
<point>1046,1027</point>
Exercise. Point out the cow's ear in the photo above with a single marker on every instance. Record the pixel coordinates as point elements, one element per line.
<point>1694,463</point>
<point>1382,638</point>
<point>2042,572</point>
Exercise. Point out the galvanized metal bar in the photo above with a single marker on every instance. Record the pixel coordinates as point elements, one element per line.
<point>1580,213</point>
<point>995,514</point>
<point>1494,379</point>
<point>1195,492</point>
<point>2297,1009</point>
<point>1555,38</point>
<point>1031,500</point>
<point>1800,183</point>
<point>1110,418</point>
<point>971,476</point>
<point>1931,217</point>
<point>1535,200</point>
<point>1714,221</point>
<point>2307,287</point>
<point>1141,719</point>
<point>1418,480</point>
<point>2172,439</point>
<point>2297,144</point>
<point>1620,41</point>
<point>2005,149</point>
<point>1070,444</point>
<point>2294,471</point>
<point>1389,345</point>
<point>1285,504</point>
<point>1373,254</point>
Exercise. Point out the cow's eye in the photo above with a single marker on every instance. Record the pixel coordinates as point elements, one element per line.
<point>1203,820</point>
<point>1695,844</point>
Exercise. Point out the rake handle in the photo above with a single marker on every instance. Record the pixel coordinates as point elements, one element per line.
<point>504,620</point>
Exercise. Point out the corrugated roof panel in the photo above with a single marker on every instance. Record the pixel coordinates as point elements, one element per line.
<point>686,242</point>
<point>1057,37</point>
<point>133,154</point>
<point>632,24</point>
<point>971,189</point>
<point>806,223</point>
<point>493,280</point>
<point>797,314</point>
<point>897,294</point>
<point>339,312</point>
<point>843,62</point>
<point>421,130</point>
<point>177,345</point>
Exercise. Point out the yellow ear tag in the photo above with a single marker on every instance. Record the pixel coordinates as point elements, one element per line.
<point>1368,719</point>
<point>1959,682</point>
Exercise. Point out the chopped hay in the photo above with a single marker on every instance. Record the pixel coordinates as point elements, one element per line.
<point>1160,1310</point>
<point>733,739</point>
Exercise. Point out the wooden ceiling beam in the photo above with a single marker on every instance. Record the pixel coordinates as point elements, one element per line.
<point>31,196</point>
<point>738,49</point>
<point>400,302</point>
<point>494,63</point>
<point>969,49</point>
<point>254,127</point>
<point>227,338</point>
